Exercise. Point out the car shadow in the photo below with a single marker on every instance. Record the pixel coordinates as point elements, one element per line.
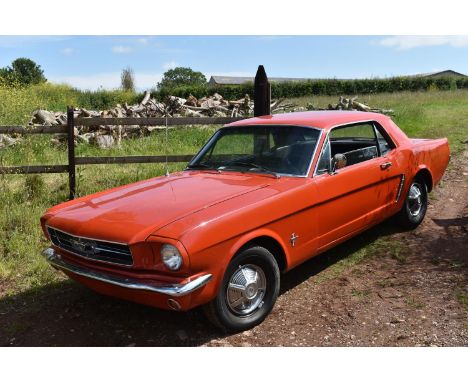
<point>65,313</point>
<point>458,222</point>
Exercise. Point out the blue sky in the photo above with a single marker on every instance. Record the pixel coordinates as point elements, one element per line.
<point>89,62</point>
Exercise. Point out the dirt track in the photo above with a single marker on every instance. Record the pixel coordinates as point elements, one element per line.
<point>412,293</point>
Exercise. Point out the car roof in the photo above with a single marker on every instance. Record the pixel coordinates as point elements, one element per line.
<point>325,119</point>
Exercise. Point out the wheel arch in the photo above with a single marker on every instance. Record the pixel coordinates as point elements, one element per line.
<point>426,176</point>
<point>268,240</point>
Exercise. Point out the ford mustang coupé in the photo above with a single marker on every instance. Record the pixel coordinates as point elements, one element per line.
<point>261,197</point>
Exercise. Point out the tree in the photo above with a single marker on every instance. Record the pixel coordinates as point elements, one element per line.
<point>181,76</point>
<point>23,71</point>
<point>127,79</point>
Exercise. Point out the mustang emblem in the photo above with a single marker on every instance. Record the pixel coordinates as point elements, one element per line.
<point>85,247</point>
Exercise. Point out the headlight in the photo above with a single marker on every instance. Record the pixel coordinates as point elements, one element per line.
<point>171,257</point>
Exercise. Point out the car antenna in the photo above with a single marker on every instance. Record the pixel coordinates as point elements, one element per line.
<point>166,148</point>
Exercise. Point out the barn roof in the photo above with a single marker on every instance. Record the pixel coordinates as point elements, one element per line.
<point>442,73</point>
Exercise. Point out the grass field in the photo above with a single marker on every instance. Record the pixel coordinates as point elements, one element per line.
<point>24,198</point>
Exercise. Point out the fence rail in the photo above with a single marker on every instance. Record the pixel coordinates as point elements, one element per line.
<point>133,159</point>
<point>35,169</point>
<point>74,160</point>
<point>93,121</point>
<point>262,107</point>
<point>55,129</point>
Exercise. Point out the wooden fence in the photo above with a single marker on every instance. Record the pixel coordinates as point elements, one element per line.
<point>261,107</point>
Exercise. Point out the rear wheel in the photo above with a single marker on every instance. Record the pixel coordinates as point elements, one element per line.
<point>415,206</point>
<point>248,292</point>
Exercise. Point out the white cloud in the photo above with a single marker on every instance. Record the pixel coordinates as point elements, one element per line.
<point>107,80</point>
<point>170,65</point>
<point>143,41</point>
<point>68,51</point>
<point>122,49</point>
<point>410,42</point>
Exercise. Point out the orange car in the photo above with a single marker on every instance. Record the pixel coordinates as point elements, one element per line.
<point>261,197</point>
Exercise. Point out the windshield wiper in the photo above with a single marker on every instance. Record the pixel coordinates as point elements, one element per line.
<point>251,166</point>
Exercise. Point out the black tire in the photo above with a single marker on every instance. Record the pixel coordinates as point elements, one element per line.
<point>414,208</point>
<point>253,261</point>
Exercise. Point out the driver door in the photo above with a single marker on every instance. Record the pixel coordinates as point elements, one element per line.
<point>356,196</point>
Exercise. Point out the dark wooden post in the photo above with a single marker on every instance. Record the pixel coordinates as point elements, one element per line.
<point>262,93</point>
<point>71,152</point>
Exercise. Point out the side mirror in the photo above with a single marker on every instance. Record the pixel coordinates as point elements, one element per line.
<point>338,161</point>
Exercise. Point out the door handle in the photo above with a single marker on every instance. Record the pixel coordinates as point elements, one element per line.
<point>385,165</point>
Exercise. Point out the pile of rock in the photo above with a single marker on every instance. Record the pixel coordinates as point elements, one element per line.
<point>106,136</point>
<point>352,104</point>
<point>6,140</point>
<point>213,106</point>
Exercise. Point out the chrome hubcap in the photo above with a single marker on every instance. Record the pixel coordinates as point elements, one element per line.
<point>415,200</point>
<point>246,289</point>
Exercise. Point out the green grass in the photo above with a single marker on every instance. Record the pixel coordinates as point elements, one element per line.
<point>357,250</point>
<point>360,294</point>
<point>414,303</point>
<point>462,297</point>
<point>399,256</point>
<point>24,198</point>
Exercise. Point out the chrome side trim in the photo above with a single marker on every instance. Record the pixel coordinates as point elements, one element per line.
<point>174,290</point>
<point>343,125</point>
<point>400,188</point>
<point>325,141</point>
<point>314,154</point>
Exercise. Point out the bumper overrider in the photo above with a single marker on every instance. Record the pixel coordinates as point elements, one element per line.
<point>133,284</point>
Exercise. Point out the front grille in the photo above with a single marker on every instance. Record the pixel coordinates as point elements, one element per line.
<point>92,249</point>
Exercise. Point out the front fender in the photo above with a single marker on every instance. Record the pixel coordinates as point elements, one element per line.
<point>252,235</point>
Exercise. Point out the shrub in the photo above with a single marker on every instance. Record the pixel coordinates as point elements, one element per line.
<point>18,102</point>
<point>331,87</point>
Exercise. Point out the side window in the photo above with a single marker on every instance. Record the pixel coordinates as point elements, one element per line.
<point>385,144</point>
<point>357,143</point>
<point>324,162</point>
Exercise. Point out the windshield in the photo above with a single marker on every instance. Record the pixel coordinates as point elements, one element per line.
<point>285,150</point>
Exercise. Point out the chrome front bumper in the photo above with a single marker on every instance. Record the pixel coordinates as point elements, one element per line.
<point>173,290</point>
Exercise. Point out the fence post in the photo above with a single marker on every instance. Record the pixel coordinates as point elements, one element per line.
<point>262,93</point>
<point>71,151</point>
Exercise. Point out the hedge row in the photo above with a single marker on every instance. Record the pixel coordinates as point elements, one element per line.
<point>104,99</point>
<point>322,87</point>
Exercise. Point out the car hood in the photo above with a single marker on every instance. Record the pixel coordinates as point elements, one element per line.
<point>130,213</point>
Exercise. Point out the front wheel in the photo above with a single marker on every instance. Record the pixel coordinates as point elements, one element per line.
<point>414,209</point>
<point>248,292</point>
